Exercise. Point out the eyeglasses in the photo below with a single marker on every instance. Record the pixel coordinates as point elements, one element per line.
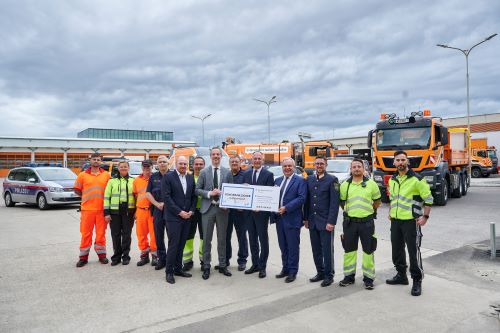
<point>319,163</point>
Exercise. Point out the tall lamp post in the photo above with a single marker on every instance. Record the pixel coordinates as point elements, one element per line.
<point>268,103</point>
<point>466,53</point>
<point>202,118</point>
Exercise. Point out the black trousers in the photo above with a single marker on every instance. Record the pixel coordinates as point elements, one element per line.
<point>159,226</point>
<point>121,231</point>
<point>236,221</point>
<point>195,223</point>
<point>322,248</point>
<point>257,225</point>
<point>359,231</point>
<point>177,232</point>
<point>409,233</point>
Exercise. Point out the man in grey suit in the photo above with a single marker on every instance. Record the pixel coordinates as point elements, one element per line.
<point>208,187</point>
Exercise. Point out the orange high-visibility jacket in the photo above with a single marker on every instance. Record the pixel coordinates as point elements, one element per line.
<point>92,188</point>
<point>140,186</point>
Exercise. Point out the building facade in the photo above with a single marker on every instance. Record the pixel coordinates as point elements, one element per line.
<point>108,133</point>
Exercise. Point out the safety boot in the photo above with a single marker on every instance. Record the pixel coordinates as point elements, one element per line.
<point>348,280</point>
<point>416,289</point>
<point>154,260</point>
<point>399,278</point>
<point>144,260</point>
<point>81,263</point>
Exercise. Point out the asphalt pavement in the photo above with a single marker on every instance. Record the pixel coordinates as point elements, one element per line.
<point>42,290</point>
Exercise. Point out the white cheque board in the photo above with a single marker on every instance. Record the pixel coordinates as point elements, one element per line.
<point>250,197</point>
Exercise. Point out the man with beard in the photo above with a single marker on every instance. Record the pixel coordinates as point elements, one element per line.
<point>411,202</point>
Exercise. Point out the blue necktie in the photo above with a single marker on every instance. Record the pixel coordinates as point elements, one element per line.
<point>254,177</point>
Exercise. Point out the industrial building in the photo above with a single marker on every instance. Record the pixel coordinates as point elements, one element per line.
<point>109,133</point>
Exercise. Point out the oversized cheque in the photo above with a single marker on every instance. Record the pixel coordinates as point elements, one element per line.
<point>250,197</point>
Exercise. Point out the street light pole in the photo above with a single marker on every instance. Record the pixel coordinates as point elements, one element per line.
<point>466,53</point>
<point>268,103</point>
<point>202,118</point>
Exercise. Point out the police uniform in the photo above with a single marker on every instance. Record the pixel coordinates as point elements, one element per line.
<point>154,187</point>
<point>322,208</point>
<point>408,194</point>
<point>358,224</point>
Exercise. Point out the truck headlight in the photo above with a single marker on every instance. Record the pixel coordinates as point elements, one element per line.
<point>377,178</point>
<point>56,189</point>
<point>429,179</point>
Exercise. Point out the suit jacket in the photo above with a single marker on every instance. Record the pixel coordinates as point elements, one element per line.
<point>293,200</point>
<point>205,184</point>
<point>322,203</point>
<point>174,198</point>
<point>266,178</point>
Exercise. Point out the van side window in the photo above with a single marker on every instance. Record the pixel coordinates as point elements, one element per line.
<point>21,175</point>
<point>12,175</point>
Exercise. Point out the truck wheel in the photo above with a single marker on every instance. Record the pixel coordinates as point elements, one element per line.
<point>8,200</point>
<point>457,192</point>
<point>442,198</point>
<point>41,202</point>
<point>464,186</point>
<point>476,173</point>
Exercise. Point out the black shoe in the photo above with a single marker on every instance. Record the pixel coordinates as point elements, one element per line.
<point>103,260</point>
<point>114,262</point>
<point>369,284</point>
<point>290,278</point>
<point>125,261</point>
<point>327,281</point>
<point>399,278</point>
<point>317,278</point>
<point>159,265</point>
<point>206,274</point>
<point>241,267</point>
<point>416,289</point>
<point>282,274</point>
<point>182,273</point>
<point>225,271</point>
<point>187,266</point>
<point>262,273</point>
<point>170,278</point>
<point>348,280</point>
<point>144,260</point>
<point>81,263</point>
<point>252,269</point>
<point>154,260</point>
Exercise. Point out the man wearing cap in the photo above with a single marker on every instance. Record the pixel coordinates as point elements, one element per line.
<point>144,226</point>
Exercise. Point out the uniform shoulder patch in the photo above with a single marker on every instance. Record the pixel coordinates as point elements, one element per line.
<point>336,185</point>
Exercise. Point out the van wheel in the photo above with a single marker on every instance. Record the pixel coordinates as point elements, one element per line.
<point>442,198</point>
<point>8,200</point>
<point>41,202</point>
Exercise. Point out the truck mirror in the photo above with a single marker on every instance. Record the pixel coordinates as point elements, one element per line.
<point>369,141</point>
<point>444,136</point>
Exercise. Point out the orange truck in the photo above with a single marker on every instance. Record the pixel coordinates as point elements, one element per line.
<point>303,152</point>
<point>436,153</point>
<point>482,152</point>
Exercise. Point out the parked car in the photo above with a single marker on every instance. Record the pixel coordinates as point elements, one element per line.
<point>341,168</point>
<point>43,186</point>
<point>277,171</point>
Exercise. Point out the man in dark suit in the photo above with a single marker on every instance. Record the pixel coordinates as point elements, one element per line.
<point>320,217</point>
<point>208,188</point>
<point>293,192</point>
<point>178,193</point>
<point>256,221</point>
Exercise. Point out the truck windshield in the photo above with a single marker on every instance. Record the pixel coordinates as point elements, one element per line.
<point>404,138</point>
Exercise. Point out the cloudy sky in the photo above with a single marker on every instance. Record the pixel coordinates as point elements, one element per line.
<point>333,65</point>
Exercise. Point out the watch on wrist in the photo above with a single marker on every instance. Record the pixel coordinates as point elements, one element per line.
<point>426,216</point>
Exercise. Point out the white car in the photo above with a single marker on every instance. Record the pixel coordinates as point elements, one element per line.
<point>340,169</point>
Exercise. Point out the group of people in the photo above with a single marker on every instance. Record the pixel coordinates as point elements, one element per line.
<point>180,202</point>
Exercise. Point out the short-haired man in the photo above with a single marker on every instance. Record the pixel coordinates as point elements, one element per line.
<point>144,225</point>
<point>411,201</point>
<point>257,222</point>
<point>187,257</point>
<point>208,187</point>
<point>90,185</point>
<point>360,198</point>
<point>293,192</point>
<point>153,193</point>
<point>321,210</point>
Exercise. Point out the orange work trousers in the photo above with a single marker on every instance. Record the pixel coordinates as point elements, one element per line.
<point>143,228</point>
<point>88,220</point>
